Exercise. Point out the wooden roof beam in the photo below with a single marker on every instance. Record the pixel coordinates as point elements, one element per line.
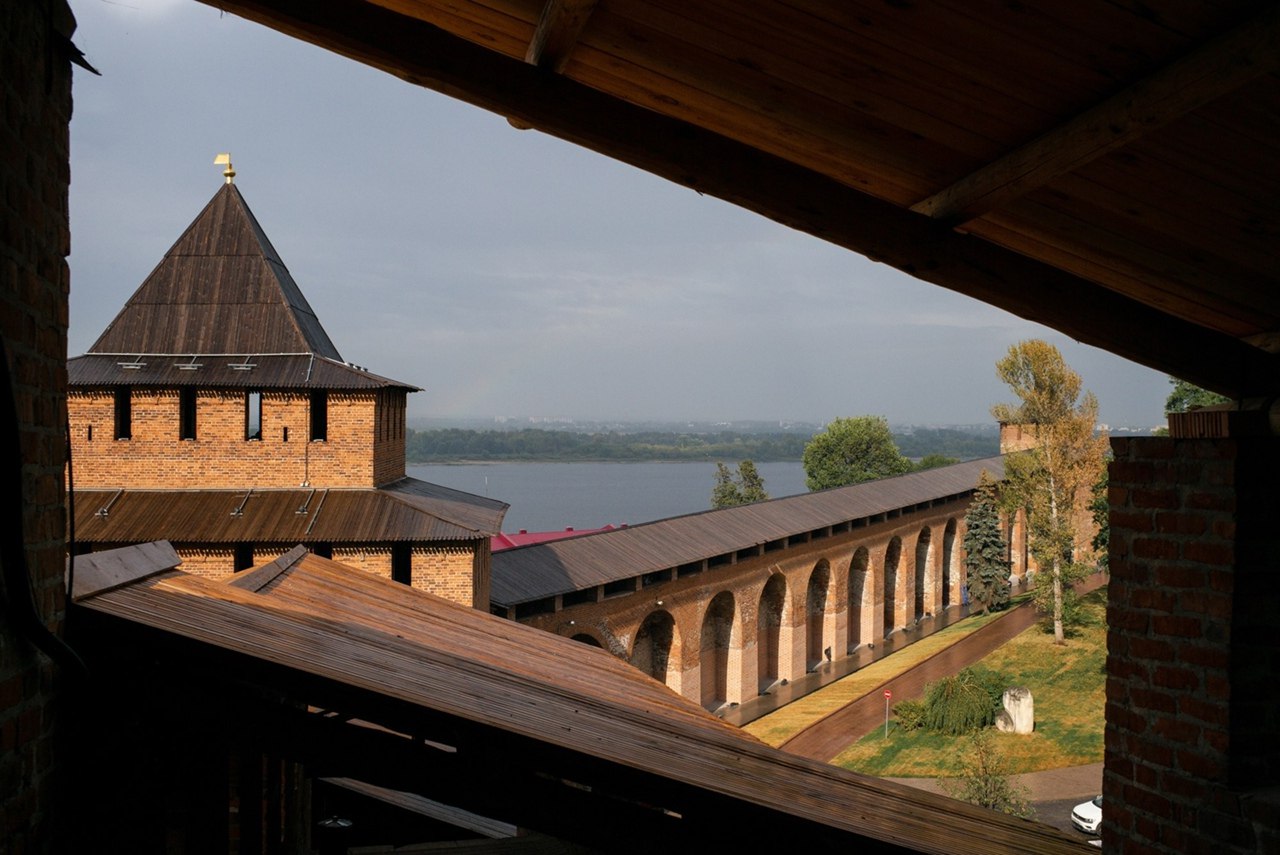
<point>775,188</point>
<point>1215,69</point>
<point>557,32</point>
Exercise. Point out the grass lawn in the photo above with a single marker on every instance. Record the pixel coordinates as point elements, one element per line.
<point>1067,684</point>
<point>777,727</point>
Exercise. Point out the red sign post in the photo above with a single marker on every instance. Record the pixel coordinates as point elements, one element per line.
<point>887,695</point>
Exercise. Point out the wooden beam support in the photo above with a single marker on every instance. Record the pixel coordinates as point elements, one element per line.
<point>1217,68</point>
<point>557,32</point>
<point>768,185</point>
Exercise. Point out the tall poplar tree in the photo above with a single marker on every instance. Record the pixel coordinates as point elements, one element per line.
<point>986,560</point>
<point>741,489</point>
<point>1053,480</point>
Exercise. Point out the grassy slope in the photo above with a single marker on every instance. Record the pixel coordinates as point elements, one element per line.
<point>1067,685</point>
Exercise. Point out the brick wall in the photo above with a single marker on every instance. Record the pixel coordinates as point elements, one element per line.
<point>615,621</point>
<point>447,570</point>
<point>35,88</point>
<point>1193,701</point>
<point>359,451</point>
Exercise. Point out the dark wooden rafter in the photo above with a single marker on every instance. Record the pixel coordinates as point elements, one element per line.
<point>1215,69</point>
<point>557,32</point>
<point>792,195</point>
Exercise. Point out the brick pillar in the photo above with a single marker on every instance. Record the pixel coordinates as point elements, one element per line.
<point>35,89</point>
<point>1193,653</point>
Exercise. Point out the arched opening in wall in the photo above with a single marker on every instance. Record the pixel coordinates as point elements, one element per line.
<point>717,631</point>
<point>950,565</point>
<point>923,578</point>
<point>857,590</point>
<point>816,615</point>
<point>892,556</point>
<point>651,652</point>
<point>769,630</point>
<point>589,640</point>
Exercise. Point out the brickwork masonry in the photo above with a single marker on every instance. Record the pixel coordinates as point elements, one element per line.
<point>35,88</point>
<point>1193,703</point>
<point>359,450</point>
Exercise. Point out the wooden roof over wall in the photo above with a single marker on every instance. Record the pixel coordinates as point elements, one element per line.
<point>407,510</point>
<point>1105,168</point>
<point>526,573</point>
<point>485,714</point>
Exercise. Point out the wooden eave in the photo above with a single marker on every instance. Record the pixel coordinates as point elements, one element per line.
<point>405,511</point>
<point>1105,170</point>
<point>516,724</point>
<point>284,371</point>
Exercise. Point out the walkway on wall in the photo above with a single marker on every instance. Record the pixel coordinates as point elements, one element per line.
<point>827,737</point>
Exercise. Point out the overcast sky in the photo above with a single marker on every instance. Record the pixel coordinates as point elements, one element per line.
<point>506,272</point>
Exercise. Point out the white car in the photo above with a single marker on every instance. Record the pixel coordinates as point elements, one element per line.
<point>1088,816</point>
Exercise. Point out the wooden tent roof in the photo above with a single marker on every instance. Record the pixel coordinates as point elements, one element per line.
<point>541,570</point>
<point>1105,168</point>
<point>477,711</point>
<point>407,510</point>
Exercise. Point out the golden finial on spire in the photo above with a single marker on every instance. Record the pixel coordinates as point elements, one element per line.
<point>229,173</point>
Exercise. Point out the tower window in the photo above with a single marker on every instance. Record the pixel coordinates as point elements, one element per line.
<point>252,415</point>
<point>402,563</point>
<point>124,414</point>
<point>187,413</point>
<point>319,416</point>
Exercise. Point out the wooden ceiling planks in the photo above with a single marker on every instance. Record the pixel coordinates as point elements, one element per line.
<point>748,109</point>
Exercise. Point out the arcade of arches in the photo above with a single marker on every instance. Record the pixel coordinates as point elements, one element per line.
<point>728,634</point>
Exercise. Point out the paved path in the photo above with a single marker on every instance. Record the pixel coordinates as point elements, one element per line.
<point>827,737</point>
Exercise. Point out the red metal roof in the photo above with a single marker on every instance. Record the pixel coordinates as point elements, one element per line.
<point>510,540</point>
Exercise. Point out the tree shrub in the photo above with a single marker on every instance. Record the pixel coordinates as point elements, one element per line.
<point>964,702</point>
<point>909,714</point>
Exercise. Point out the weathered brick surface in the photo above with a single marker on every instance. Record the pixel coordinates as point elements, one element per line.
<point>361,448</point>
<point>1192,697</point>
<point>35,91</point>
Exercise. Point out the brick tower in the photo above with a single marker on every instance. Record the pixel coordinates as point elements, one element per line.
<point>215,412</point>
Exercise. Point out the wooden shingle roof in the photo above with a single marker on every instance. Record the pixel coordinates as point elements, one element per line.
<point>578,729</point>
<point>541,570</point>
<point>220,289</point>
<point>223,371</point>
<point>408,510</point>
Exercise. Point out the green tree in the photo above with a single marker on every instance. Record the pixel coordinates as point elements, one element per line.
<point>751,483</point>
<point>986,560</point>
<point>1052,480</point>
<point>1100,507</point>
<point>852,450</point>
<point>1188,396</point>
<point>741,489</point>
<point>933,461</point>
<point>984,780</point>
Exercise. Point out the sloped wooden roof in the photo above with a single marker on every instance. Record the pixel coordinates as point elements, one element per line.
<point>224,371</point>
<point>408,510</point>
<point>1107,169</point>
<point>220,289</point>
<point>391,656</point>
<point>533,572</point>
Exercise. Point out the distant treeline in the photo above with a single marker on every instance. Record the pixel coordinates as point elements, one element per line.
<point>949,442</point>
<point>454,444</point>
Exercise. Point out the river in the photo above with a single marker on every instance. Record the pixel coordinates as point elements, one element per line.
<point>554,496</point>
